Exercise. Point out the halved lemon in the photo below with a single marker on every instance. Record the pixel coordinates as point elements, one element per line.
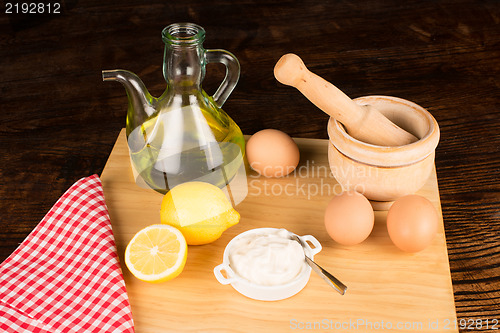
<point>156,253</point>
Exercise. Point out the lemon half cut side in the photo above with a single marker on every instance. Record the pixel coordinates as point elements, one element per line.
<point>156,253</point>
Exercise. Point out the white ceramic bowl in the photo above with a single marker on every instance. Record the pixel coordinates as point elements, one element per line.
<point>260,292</point>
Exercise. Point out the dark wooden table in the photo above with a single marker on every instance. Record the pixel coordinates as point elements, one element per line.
<point>58,120</point>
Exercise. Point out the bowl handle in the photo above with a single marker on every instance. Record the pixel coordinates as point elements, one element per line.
<point>221,278</point>
<point>314,241</point>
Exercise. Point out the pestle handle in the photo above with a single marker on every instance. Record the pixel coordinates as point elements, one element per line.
<point>364,123</point>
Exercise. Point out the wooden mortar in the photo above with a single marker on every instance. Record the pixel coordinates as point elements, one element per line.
<point>385,173</point>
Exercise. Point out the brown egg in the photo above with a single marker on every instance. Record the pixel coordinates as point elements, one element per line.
<point>272,153</point>
<point>412,223</point>
<point>349,218</point>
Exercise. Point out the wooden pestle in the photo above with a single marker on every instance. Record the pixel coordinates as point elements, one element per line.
<point>364,123</point>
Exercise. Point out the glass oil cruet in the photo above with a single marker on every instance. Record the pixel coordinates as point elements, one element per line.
<point>184,135</point>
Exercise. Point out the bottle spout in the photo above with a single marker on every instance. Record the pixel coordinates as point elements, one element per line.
<point>110,75</point>
<point>119,75</point>
<point>139,97</point>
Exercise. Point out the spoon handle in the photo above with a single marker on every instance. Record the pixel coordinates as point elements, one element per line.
<point>329,278</point>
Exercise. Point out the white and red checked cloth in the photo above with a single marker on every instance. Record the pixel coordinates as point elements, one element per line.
<point>65,276</point>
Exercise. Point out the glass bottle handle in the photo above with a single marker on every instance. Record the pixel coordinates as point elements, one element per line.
<point>232,73</point>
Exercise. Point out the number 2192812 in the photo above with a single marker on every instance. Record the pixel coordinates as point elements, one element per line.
<point>472,324</point>
<point>32,8</point>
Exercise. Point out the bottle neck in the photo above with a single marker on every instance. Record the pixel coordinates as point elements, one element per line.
<point>184,65</point>
<point>184,57</point>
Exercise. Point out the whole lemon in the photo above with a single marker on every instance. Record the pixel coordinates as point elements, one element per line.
<point>201,211</point>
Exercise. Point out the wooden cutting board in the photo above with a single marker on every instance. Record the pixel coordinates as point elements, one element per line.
<point>387,288</point>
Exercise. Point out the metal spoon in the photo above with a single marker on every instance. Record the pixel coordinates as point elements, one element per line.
<point>329,278</point>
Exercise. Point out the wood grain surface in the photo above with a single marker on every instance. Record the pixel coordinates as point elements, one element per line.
<point>59,121</point>
<point>387,289</point>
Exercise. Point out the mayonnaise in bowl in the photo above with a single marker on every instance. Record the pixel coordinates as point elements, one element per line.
<point>267,259</point>
<point>266,264</point>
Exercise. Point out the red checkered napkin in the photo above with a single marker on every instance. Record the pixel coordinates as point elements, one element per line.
<point>65,276</point>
